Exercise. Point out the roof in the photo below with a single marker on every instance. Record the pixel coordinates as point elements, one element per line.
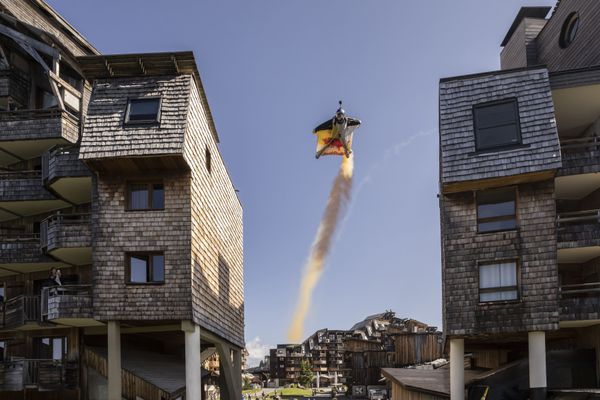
<point>432,381</point>
<point>525,12</point>
<point>487,73</point>
<point>146,64</point>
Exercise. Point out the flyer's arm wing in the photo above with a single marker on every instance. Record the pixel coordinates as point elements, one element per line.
<point>325,126</point>
<point>353,121</point>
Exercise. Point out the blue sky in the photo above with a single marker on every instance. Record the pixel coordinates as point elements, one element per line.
<point>273,70</point>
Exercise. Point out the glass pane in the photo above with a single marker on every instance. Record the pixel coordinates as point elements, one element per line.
<point>497,136</point>
<point>508,274</point>
<point>138,196</point>
<point>492,296</point>
<point>139,271</point>
<point>493,226</point>
<point>496,114</point>
<point>489,276</point>
<point>496,210</point>
<point>158,196</point>
<point>158,268</point>
<point>143,109</point>
<point>57,349</point>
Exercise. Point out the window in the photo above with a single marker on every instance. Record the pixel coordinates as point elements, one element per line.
<point>146,268</point>
<point>498,282</point>
<point>146,196</point>
<point>143,111</point>
<point>208,159</point>
<point>496,210</point>
<point>50,348</point>
<point>569,30</point>
<point>496,124</point>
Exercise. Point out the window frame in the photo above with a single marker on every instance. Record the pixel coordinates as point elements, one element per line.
<point>517,287</point>
<point>155,121</point>
<point>150,188</point>
<point>488,149</point>
<point>515,190</point>
<point>149,267</point>
<point>565,39</point>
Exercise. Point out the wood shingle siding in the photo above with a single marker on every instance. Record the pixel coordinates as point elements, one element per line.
<point>38,125</point>
<point>540,150</point>
<point>117,231</point>
<point>532,245</point>
<point>521,50</point>
<point>584,51</point>
<point>217,232</point>
<point>106,136</point>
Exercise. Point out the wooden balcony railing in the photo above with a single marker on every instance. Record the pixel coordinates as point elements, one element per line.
<point>20,310</point>
<point>68,301</point>
<point>46,374</point>
<point>574,217</point>
<point>590,288</point>
<point>580,155</point>
<point>61,229</point>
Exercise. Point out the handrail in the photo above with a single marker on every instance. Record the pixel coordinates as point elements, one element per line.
<point>575,143</point>
<point>60,218</point>
<point>578,216</point>
<point>588,287</point>
<point>26,174</point>
<point>33,237</point>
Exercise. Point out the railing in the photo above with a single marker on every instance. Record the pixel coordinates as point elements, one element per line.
<point>578,217</point>
<point>44,373</point>
<point>580,288</point>
<point>66,292</point>
<point>20,310</point>
<point>9,175</point>
<point>574,145</point>
<point>57,221</point>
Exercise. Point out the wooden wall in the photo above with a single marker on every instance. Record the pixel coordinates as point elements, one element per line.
<point>217,232</point>
<point>521,49</point>
<point>533,245</point>
<point>459,158</point>
<point>584,51</point>
<point>417,348</point>
<point>400,393</point>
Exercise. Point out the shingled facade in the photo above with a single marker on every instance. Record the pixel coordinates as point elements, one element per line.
<point>121,238</point>
<point>519,185</point>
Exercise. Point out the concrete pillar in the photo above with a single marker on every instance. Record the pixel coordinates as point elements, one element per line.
<point>537,365</point>
<point>318,380</point>
<point>193,374</point>
<point>114,360</point>
<point>335,378</point>
<point>457,369</point>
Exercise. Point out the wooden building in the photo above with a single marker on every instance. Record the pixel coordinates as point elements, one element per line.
<point>111,176</point>
<point>519,184</point>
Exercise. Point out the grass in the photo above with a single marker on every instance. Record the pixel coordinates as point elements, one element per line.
<point>295,392</point>
<point>250,391</point>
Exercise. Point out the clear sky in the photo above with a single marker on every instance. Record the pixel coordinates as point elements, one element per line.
<point>273,70</point>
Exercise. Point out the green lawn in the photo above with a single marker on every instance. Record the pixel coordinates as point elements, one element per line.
<point>250,391</point>
<point>295,392</point>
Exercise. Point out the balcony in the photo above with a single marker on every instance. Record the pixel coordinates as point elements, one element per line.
<point>27,134</point>
<point>22,254</point>
<point>578,229</point>
<point>68,305</point>
<point>22,194</point>
<point>64,174</point>
<point>22,312</point>
<point>44,374</point>
<point>580,156</point>
<point>68,238</point>
<point>580,304</point>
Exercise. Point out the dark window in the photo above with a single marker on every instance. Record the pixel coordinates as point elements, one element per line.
<point>143,111</point>
<point>50,348</point>
<point>496,210</point>
<point>146,196</point>
<point>498,281</point>
<point>569,30</point>
<point>496,124</point>
<point>146,267</point>
<point>208,159</point>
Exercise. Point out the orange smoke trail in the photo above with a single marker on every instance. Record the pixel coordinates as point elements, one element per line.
<point>338,198</point>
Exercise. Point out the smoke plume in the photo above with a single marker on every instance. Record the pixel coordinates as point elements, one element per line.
<point>338,199</point>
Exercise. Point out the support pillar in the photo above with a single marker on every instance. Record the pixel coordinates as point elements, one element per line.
<point>537,365</point>
<point>193,374</point>
<point>230,363</point>
<point>318,380</point>
<point>335,378</point>
<point>114,360</point>
<point>457,369</point>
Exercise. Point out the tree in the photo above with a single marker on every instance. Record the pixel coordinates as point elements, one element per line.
<point>306,374</point>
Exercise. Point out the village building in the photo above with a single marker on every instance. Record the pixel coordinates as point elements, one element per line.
<point>354,358</point>
<point>121,257</point>
<point>519,201</point>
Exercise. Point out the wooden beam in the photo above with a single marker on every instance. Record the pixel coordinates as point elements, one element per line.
<point>482,184</point>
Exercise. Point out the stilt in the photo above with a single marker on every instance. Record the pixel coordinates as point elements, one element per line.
<point>457,369</point>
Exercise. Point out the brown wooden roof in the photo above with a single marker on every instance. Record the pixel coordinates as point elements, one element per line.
<point>432,381</point>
